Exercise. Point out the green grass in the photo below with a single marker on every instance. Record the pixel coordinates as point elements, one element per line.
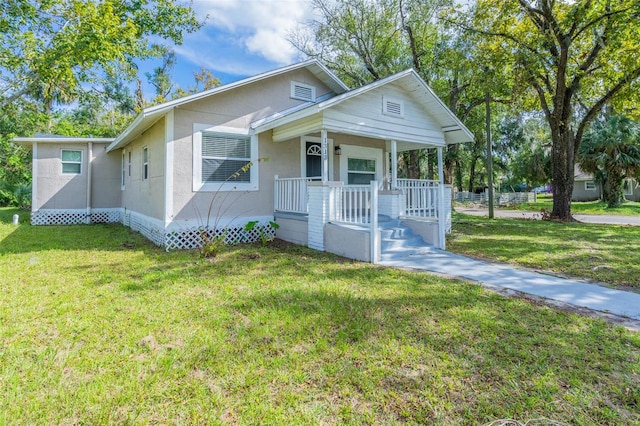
<point>629,208</point>
<point>605,253</point>
<point>97,326</point>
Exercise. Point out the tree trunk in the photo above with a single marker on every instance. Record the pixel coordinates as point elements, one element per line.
<point>449,161</point>
<point>612,189</point>
<point>562,169</point>
<point>458,173</point>
<point>413,165</point>
<point>472,173</point>
<point>431,162</point>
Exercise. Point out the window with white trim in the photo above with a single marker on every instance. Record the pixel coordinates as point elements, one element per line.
<point>225,159</point>
<point>628,187</point>
<point>145,163</point>
<point>590,185</point>
<point>360,171</point>
<point>303,92</point>
<point>129,166</point>
<point>71,161</point>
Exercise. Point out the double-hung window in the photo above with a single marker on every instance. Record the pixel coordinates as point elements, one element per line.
<point>224,159</point>
<point>145,163</point>
<point>71,161</point>
<point>122,171</point>
<point>361,171</point>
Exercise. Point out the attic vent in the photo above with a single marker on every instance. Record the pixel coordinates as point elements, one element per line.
<point>303,92</point>
<point>392,107</point>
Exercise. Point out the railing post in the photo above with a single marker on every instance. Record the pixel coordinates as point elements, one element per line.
<point>394,165</point>
<point>441,214</point>
<point>276,204</point>
<point>375,241</point>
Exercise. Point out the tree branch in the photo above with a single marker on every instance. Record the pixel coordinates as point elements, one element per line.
<point>627,79</point>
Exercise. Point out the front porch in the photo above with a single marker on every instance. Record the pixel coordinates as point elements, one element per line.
<point>347,183</point>
<point>362,222</point>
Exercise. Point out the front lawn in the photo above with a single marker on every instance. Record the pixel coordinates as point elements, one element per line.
<point>98,326</point>
<point>605,253</point>
<point>544,201</point>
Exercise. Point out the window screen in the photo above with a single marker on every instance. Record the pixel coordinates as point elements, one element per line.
<point>71,161</point>
<point>223,156</point>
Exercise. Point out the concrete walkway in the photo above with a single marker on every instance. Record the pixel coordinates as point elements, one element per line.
<point>606,301</point>
<point>587,218</point>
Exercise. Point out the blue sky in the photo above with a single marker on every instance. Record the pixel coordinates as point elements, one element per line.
<point>240,38</point>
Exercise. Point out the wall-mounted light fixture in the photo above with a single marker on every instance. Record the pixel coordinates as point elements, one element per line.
<point>337,150</point>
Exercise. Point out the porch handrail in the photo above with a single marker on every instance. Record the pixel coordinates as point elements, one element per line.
<point>421,197</point>
<point>291,195</point>
<point>358,205</point>
<point>353,204</point>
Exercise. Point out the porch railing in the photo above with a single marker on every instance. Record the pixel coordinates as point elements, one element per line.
<point>353,204</point>
<point>358,205</point>
<point>290,195</point>
<point>421,197</point>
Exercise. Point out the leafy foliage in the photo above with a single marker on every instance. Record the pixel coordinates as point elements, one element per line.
<point>575,57</point>
<point>611,152</point>
<point>50,49</point>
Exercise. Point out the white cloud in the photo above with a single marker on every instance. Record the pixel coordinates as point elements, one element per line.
<point>260,26</point>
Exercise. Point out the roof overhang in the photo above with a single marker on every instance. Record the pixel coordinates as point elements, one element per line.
<point>28,142</point>
<point>149,116</point>
<point>452,129</point>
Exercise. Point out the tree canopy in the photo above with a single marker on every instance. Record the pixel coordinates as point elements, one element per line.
<point>49,49</point>
<point>574,56</point>
<point>75,51</point>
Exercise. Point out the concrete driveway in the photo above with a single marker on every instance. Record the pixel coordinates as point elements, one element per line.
<point>586,218</point>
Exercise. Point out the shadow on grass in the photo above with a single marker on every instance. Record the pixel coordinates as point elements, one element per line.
<point>450,341</point>
<point>25,238</point>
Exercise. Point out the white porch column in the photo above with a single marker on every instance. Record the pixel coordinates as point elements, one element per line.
<point>325,155</point>
<point>373,229</point>
<point>442,217</point>
<point>394,165</point>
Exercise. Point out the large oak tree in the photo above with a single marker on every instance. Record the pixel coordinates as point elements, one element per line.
<point>576,57</point>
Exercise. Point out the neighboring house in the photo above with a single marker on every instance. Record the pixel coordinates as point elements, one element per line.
<point>316,148</point>
<point>585,187</point>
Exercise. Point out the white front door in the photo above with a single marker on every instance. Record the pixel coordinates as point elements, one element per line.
<point>359,165</point>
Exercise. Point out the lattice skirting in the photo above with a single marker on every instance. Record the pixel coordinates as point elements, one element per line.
<point>74,217</point>
<point>153,230</point>
<point>191,238</point>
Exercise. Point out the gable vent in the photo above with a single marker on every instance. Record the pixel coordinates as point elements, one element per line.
<point>303,92</point>
<point>392,107</point>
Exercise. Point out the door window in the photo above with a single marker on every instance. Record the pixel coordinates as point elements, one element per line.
<point>314,160</point>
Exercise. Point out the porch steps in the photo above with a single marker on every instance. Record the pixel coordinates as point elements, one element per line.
<point>399,241</point>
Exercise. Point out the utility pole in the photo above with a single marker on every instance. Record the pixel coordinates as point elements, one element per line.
<point>489,152</point>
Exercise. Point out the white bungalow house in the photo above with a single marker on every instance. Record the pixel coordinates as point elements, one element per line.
<point>324,164</point>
